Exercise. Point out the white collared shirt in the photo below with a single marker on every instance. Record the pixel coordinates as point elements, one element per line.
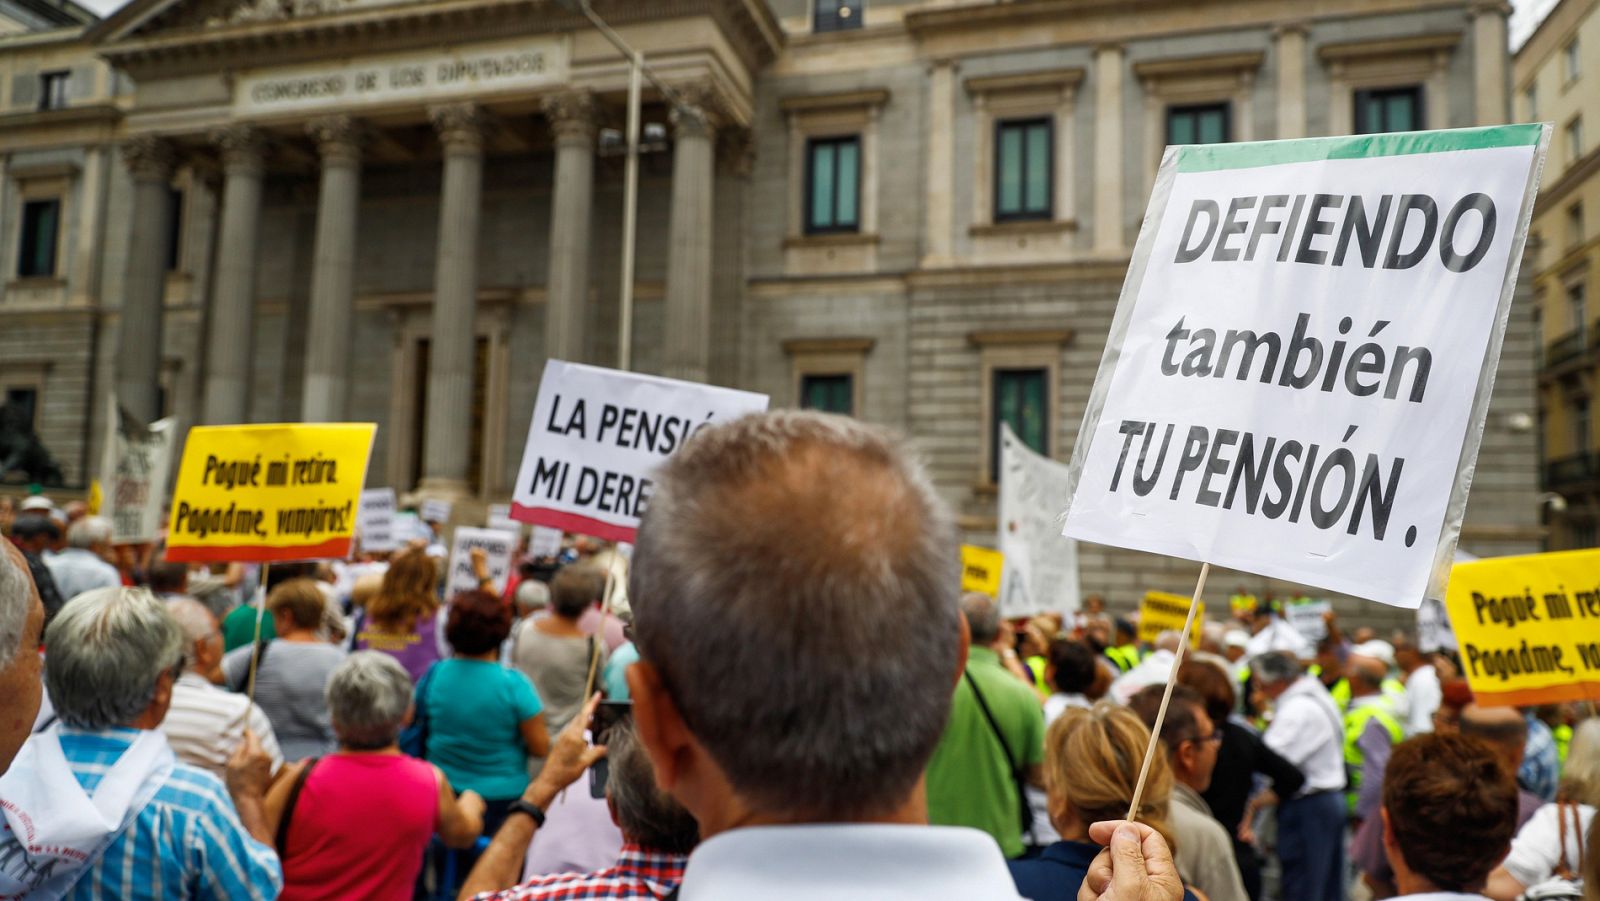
<point>204,724</point>
<point>848,862</point>
<point>1308,731</point>
<point>1423,697</point>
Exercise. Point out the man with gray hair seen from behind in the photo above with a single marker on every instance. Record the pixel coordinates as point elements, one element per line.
<point>21,622</point>
<point>1308,731</point>
<point>993,742</point>
<point>206,722</point>
<point>794,590</point>
<point>84,564</point>
<point>106,808</point>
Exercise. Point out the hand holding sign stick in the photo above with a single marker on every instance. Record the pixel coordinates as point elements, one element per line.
<point>1166,696</point>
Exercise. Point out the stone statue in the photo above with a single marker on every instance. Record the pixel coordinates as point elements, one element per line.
<point>22,452</point>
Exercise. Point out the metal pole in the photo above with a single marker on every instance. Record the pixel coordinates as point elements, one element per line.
<point>630,214</point>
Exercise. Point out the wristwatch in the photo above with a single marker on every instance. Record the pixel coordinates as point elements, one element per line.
<point>534,811</point>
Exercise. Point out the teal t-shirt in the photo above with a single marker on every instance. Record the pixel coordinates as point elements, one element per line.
<point>239,627</point>
<point>475,713</point>
<point>615,678</point>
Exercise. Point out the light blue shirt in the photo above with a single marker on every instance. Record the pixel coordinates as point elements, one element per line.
<point>615,678</point>
<point>186,843</point>
<point>77,571</point>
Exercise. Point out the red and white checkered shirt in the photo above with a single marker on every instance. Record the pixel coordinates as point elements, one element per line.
<point>637,874</point>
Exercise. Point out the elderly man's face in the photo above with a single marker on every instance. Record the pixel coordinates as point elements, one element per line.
<point>20,685</point>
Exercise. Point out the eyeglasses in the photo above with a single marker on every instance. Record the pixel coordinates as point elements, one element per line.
<point>1215,736</point>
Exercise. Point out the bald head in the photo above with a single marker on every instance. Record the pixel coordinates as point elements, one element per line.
<point>1502,728</point>
<point>1367,673</point>
<point>983,617</point>
<point>21,626</point>
<point>17,597</point>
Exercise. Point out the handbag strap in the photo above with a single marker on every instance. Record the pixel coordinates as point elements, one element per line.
<point>281,840</point>
<point>1564,869</point>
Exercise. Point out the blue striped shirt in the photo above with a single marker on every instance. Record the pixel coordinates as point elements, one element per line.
<point>186,843</point>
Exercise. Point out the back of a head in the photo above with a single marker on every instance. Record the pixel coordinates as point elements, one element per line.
<point>1367,673</point>
<point>647,816</point>
<point>195,619</point>
<point>1091,764</point>
<point>478,622</point>
<point>1580,773</point>
<point>1181,724</point>
<point>108,648</point>
<point>575,588</point>
<point>983,617</point>
<point>1275,668</point>
<point>408,589</point>
<point>89,532</point>
<point>1500,727</point>
<point>1074,664</point>
<point>1213,685</point>
<point>368,695</point>
<point>1452,808</point>
<point>795,583</point>
<point>532,596</point>
<point>1168,641</point>
<point>16,600</point>
<point>300,600</point>
<point>166,577</point>
<point>33,525</point>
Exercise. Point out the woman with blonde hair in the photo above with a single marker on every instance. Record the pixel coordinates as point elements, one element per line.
<point>402,618</point>
<point>1091,764</point>
<point>1550,845</point>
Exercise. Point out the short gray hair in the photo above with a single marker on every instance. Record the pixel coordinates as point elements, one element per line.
<point>195,619</point>
<point>107,650</point>
<point>983,617</point>
<point>795,583</point>
<point>89,532</point>
<point>16,599</point>
<point>368,696</point>
<point>647,816</point>
<point>1275,668</point>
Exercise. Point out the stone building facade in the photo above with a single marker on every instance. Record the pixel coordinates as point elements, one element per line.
<point>918,213</point>
<point>1556,73</point>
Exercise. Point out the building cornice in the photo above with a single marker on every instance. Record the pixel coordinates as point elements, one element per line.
<point>73,115</point>
<point>1422,44</point>
<point>1191,66</point>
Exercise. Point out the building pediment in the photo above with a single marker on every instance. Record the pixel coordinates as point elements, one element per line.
<point>185,35</point>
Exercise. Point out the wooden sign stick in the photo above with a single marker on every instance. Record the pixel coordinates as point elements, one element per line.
<point>1161,714</point>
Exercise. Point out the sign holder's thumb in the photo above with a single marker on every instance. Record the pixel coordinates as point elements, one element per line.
<point>1166,696</point>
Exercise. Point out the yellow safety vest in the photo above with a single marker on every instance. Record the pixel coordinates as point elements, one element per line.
<point>1355,722</point>
<point>1125,656</point>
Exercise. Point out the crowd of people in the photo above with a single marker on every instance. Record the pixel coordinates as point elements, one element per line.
<point>781,693</point>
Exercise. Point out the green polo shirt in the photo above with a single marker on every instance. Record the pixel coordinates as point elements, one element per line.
<point>239,627</point>
<point>969,778</point>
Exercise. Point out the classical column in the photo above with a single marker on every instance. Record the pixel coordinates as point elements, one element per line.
<point>939,208</point>
<point>327,381</point>
<point>150,161</point>
<point>461,128</point>
<point>572,121</point>
<point>227,395</point>
<point>1489,61</point>
<point>1291,80</point>
<point>686,338</point>
<point>1108,149</point>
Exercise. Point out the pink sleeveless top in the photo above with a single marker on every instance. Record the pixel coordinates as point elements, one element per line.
<point>333,851</point>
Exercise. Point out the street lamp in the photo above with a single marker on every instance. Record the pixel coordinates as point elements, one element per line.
<point>637,71</point>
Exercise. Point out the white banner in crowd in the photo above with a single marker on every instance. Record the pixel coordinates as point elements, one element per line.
<point>1307,619</point>
<point>596,436</point>
<point>1041,568</point>
<point>544,542</point>
<point>375,520</point>
<point>500,518</point>
<point>435,511</point>
<point>140,465</point>
<point>1296,380</point>
<point>498,546</point>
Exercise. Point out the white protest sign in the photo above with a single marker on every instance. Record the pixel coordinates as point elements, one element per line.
<point>1297,377</point>
<point>435,510</point>
<point>500,518</point>
<point>545,542</point>
<point>598,434</point>
<point>1041,571</point>
<point>138,467</point>
<point>497,546</point>
<point>375,520</point>
<point>1434,632</point>
<point>1307,619</point>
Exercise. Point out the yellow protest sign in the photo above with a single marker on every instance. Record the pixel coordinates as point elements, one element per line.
<point>258,493</point>
<point>1161,612</point>
<point>980,570</point>
<point>1529,627</point>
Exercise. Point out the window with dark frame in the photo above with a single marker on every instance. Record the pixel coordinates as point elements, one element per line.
<point>41,222</point>
<point>24,402</point>
<point>1206,123</point>
<point>1380,110</point>
<point>836,15</point>
<point>1021,400</point>
<point>833,185</point>
<point>828,393</point>
<point>1024,171</point>
<point>53,89</point>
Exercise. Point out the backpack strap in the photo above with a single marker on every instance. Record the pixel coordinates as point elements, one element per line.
<point>281,840</point>
<point>1018,775</point>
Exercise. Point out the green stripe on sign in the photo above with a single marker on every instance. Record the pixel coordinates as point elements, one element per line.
<point>1212,157</point>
